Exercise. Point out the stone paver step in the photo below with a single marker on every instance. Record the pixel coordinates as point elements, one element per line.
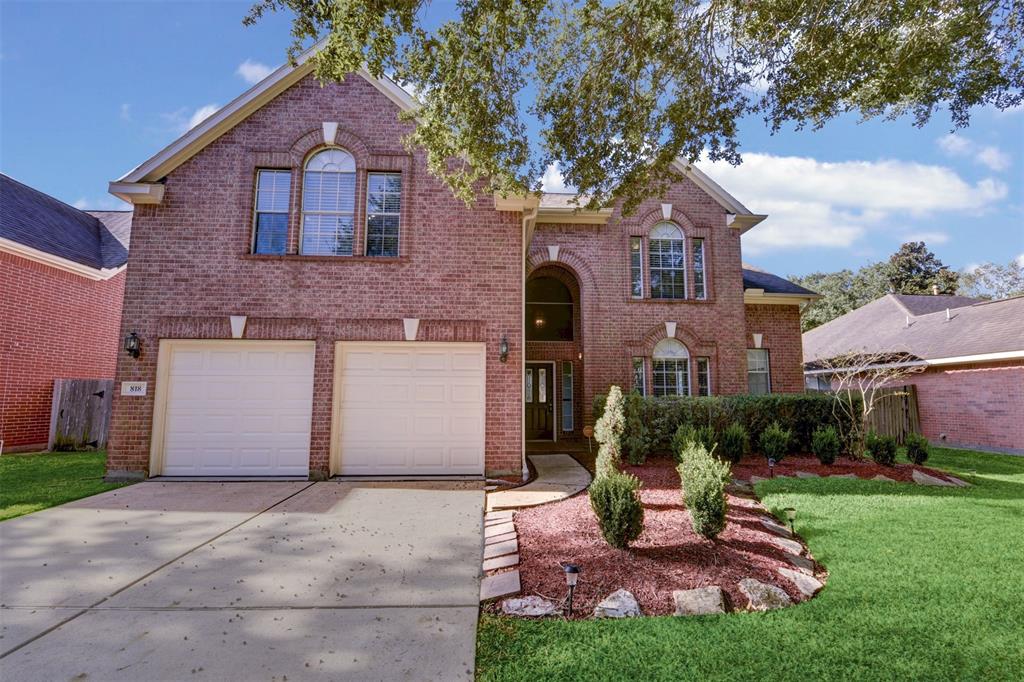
<point>500,562</point>
<point>499,585</point>
<point>498,539</point>
<point>501,548</point>
<point>499,529</point>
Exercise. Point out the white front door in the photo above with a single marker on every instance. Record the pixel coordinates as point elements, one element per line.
<point>409,408</point>
<point>237,408</point>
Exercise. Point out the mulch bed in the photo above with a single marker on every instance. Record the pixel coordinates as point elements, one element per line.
<point>668,555</point>
<point>758,466</point>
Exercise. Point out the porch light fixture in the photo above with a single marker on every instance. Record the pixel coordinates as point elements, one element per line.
<point>503,348</point>
<point>133,345</point>
<point>791,517</point>
<point>771,467</point>
<point>572,574</point>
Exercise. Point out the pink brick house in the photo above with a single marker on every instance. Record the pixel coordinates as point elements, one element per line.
<point>312,302</point>
<point>970,392</point>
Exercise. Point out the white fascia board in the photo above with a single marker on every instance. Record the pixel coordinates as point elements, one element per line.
<point>759,297</point>
<point>58,262</point>
<point>574,216</point>
<point>243,106</point>
<point>138,192</point>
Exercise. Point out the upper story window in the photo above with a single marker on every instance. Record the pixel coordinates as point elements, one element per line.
<point>670,368</point>
<point>383,209</point>
<point>636,267</point>
<point>758,375</point>
<point>700,289</point>
<point>270,224</point>
<point>328,203</point>
<point>667,255</point>
<point>549,310</point>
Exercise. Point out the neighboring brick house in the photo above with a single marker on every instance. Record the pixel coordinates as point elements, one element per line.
<point>311,301</point>
<point>61,285</point>
<point>971,390</point>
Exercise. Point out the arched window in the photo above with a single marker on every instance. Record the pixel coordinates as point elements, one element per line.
<point>328,203</point>
<point>667,254</point>
<point>548,310</point>
<point>671,368</point>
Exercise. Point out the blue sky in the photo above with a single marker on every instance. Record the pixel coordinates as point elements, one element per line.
<point>92,89</point>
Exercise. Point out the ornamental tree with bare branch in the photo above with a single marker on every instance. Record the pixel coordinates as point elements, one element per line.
<point>860,380</point>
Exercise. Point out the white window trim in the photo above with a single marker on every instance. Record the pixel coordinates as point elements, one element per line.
<point>643,373</point>
<point>398,214</point>
<point>686,257</point>
<point>256,202</point>
<point>570,414</point>
<point>640,296</point>
<point>707,361</point>
<point>703,269</point>
<point>767,369</point>
<point>302,203</point>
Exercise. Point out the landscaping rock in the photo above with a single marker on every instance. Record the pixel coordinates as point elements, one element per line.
<point>757,479</point>
<point>501,549</point>
<point>786,544</point>
<point>699,601</point>
<point>763,597</point>
<point>843,476</point>
<point>618,604</point>
<point>802,563</point>
<point>883,477</point>
<point>499,585</point>
<point>922,478</point>
<point>499,529</point>
<point>500,562</point>
<point>740,482</point>
<point>807,584</point>
<point>531,606</point>
<point>806,474</point>
<point>497,517</point>
<point>774,526</point>
<point>957,482</point>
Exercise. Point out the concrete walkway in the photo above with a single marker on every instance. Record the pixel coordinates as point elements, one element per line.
<point>558,477</point>
<point>214,581</point>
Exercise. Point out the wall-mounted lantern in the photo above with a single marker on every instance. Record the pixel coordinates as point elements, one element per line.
<point>133,345</point>
<point>503,348</point>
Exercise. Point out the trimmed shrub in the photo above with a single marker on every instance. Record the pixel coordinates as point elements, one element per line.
<point>917,448</point>
<point>703,478</point>
<point>774,441</point>
<point>882,449</point>
<point>615,500</point>
<point>687,434</point>
<point>734,443</point>
<point>635,443</point>
<point>800,413</point>
<point>825,444</point>
<point>608,432</point>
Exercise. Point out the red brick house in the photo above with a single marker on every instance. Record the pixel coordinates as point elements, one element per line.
<point>970,392</point>
<point>61,284</point>
<point>312,302</point>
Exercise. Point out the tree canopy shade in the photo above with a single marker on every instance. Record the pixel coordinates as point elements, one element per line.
<point>622,88</point>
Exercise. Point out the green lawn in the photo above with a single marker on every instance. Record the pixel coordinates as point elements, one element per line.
<point>925,583</point>
<point>29,483</point>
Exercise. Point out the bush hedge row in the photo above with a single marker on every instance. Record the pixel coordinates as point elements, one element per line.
<point>799,413</point>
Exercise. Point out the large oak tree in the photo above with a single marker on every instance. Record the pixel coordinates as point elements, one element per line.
<point>622,88</point>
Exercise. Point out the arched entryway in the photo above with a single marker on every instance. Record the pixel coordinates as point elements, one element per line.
<point>553,382</point>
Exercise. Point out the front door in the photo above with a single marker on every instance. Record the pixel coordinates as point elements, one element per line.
<point>540,401</point>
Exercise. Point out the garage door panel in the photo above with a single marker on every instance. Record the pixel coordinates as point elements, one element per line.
<point>238,409</point>
<point>407,409</point>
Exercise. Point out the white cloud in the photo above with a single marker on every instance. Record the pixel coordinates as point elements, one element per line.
<point>201,114</point>
<point>1020,260</point>
<point>814,203</point>
<point>552,180</point>
<point>927,237</point>
<point>987,155</point>
<point>181,121</point>
<point>126,112</point>
<point>101,204</point>
<point>253,72</point>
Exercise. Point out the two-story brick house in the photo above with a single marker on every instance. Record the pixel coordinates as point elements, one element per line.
<point>311,301</point>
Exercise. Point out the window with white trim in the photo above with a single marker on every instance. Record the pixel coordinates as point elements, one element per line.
<point>667,261</point>
<point>670,368</point>
<point>703,376</point>
<point>329,203</point>
<point>640,376</point>
<point>636,267</point>
<point>567,416</point>
<point>270,222</point>
<point>700,289</point>
<point>758,372</point>
<point>383,209</point>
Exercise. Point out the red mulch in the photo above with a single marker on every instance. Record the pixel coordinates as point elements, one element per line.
<point>667,556</point>
<point>758,466</point>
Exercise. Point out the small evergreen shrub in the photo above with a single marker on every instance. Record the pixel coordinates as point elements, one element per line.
<point>703,478</point>
<point>615,500</point>
<point>917,448</point>
<point>774,441</point>
<point>684,436</point>
<point>734,443</point>
<point>634,440</point>
<point>882,449</point>
<point>825,444</point>
<point>707,437</point>
<point>608,432</point>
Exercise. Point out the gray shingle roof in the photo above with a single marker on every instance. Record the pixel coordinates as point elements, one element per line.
<point>756,278</point>
<point>882,326</point>
<point>922,304</point>
<point>37,220</point>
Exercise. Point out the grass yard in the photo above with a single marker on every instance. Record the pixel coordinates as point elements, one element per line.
<point>29,483</point>
<point>925,583</point>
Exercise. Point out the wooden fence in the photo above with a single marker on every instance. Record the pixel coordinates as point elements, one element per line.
<point>80,413</point>
<point>895,412</point>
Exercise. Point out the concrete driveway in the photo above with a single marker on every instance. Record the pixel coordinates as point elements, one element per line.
<point>261,581</point>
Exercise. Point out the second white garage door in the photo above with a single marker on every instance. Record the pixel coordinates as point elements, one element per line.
<point>409,408</point>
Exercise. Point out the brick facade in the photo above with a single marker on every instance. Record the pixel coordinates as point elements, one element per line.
<point>779,326</point>
<point>53,325</point>
<point>459,270</point>
<point>977,405</point>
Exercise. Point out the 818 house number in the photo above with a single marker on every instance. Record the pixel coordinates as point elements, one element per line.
<point>133,388</point>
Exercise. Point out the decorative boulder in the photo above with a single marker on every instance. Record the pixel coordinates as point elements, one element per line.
<point>807,584</point>
<point>618,604</point>
<point>528,606</point>
<point>763,597</point>
<point>699,601</point>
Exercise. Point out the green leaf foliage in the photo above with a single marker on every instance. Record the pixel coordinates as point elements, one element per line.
<point>917,448</point>
<point>608,432</point>
<point>825,444</point>
<point>703,479</point>
<point>635,440</point>
<point>734,443</point>
<point>615,499</point>
<point>881,448</point>
<point>775,441</point>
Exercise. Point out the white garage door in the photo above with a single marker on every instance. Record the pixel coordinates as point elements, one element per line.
<point>238,408</point>
<point>410,408</point>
